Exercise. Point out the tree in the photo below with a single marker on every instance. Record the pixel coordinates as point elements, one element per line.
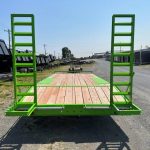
<point>71,56</point>
<point>66,53</point>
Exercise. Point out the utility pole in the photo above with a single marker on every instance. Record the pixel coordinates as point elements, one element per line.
<point>45,49</point>
<point>58,56</point>
<point>141,55</point>
<point>8,31</point>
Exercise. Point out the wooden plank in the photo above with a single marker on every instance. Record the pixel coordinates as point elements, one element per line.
<point>107,92</point>
<point>76,80</point>
<point>73,90</point>
<point>78,95</point>
<point>91,90</point>
<point>57,80</point>
<point>94,96</point>
<point>85,93</point>
<point>86,96</point>
<point>62,91</point>
<point>63,81</point>
<point>45,95</point>
<point>40,92</point>
<point>69,80</point>
<point>53,96</point>
<point>81,79</point>
<point>73,95</point>
<point>61,95</point>
<point>53,75</point>
<point>70,92</point>
<point>87,79</point>
<point>68,96</point>
<point>102,96</point>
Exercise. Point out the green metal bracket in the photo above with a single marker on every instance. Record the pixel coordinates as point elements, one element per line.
<point>128,109</point>
<point>25,109</point>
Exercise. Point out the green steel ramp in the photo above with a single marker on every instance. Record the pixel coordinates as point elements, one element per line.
<point>17,108</point>
<point>120,48</point>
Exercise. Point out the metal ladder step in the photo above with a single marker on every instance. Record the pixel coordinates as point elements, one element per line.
<point>123,16</point>
<point>23,44</point>
<point>22,23</point>
<point>123,34</point>
<point>121,73</point>
<point>24,54</point>
<point>24,74</point>
<point>121,93</point>
<point>121,54</point>
<point>25,94</point>
<point>123,23</point>
<point>24,84</point>
<point>121,83</point>
<point>24,65</point>
<point>121,64</point>
<point>23,34</point>
<point>122,44</point>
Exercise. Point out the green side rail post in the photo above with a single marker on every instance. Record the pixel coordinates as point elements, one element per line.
<point>130,54</point>
<point>15,44</point>
<point>111,65</point>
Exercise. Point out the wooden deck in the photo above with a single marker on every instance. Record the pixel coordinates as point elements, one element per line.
<point>73,89</point>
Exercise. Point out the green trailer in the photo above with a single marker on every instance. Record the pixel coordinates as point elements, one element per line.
<point>73,94</point>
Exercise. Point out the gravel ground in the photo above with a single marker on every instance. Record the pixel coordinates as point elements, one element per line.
<point>84,133</point>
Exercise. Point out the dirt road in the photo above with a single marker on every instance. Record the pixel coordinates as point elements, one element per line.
<point>83,133</point>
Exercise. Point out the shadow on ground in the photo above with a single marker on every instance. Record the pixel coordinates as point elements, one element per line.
<point>44,130</point>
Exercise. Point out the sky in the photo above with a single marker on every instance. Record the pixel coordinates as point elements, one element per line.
<point>84,26</point>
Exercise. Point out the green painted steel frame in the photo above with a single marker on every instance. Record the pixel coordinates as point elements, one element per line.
<point>74,110</point>
<point>20,108</point>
